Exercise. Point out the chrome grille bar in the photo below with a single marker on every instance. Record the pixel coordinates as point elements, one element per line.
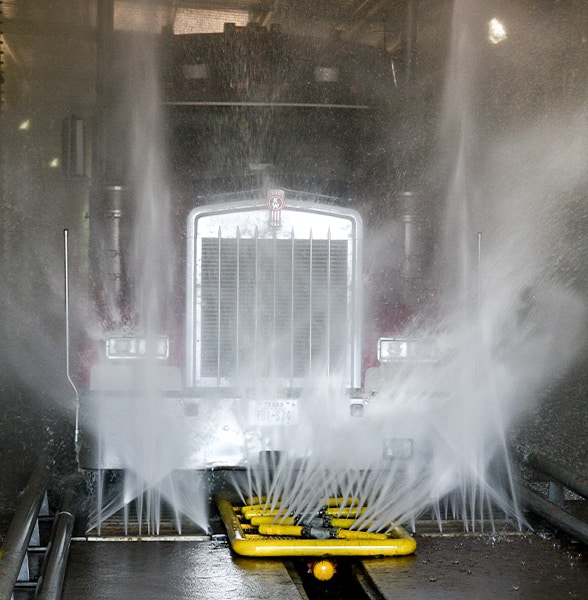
<point>238,302</point>
<point>292,271</point>
<point>328,332</point>
<point>256,304</point>
<point>310,298</point>
<point>219,308</point>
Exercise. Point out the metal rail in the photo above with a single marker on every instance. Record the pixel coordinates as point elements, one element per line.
<point>556,515</point>
<point>552,508</point>
<point>21,528</point>
<point>51,580</point>
<point>570,479</point>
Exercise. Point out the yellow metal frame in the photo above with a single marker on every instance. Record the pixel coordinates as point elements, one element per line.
<point>247,541</point>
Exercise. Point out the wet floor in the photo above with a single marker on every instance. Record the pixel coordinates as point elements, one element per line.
<point>485,567</point>
<point>454,567</point>
<point>172,570</point>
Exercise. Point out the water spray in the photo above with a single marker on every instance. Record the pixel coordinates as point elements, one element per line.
<point>479,278</point>
<point>67,344</point>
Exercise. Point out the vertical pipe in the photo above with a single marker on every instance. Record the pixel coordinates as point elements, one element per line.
<point>1,61</point>
<point>416,252</point>
<point>106,199</point>
<point>556,493</point>
<point>67,345</point>
<point>410,41</point>
<point>3,206</point>
<point>104,34</point>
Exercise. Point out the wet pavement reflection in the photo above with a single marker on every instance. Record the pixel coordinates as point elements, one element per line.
<point>458,567</point>
<point>484,567</point>
<point>178,570</point>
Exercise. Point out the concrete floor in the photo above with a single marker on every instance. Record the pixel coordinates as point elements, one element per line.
<point>485,568</point>
<point>457,567</point>
<point>174,570</point>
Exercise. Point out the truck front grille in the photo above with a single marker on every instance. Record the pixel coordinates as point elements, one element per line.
<point>272,307</point>
<point>272,302</point>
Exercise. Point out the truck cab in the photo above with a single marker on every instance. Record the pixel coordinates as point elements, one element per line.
<point>269,320</point>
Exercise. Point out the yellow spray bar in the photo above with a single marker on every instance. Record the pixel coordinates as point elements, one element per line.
<point>344,512</point>
<point>269,520</point>
<point>320,532</point>
<point>326,521</point>
<point>334,507</point>
<point>256,511</point>
<point>397,543</point>
<point>263,501</point>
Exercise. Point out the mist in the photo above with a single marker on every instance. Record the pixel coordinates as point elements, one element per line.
<point>500,153</point>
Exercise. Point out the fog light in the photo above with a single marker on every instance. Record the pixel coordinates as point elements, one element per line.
<point>131,347</point>
<point>399,349</point>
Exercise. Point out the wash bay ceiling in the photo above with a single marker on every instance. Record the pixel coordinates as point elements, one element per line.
<point>383,23</point>
<point>376,22</point>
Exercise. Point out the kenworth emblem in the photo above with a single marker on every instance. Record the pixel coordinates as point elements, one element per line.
<point>275,203</point>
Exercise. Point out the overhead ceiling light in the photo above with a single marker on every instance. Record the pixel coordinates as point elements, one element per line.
<point>496,31</point>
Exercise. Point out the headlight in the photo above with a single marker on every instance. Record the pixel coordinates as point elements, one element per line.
<point>396,349</point>
<point>125,347</point>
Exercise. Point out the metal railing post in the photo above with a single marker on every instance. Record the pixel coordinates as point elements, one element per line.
<point>14,548</point>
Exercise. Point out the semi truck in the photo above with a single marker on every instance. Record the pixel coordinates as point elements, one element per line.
<point>298,278</point>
